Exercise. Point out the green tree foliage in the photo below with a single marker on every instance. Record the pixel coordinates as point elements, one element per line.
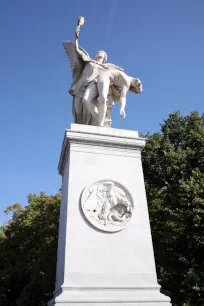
<point>28,245</point>
<point>173,163</point>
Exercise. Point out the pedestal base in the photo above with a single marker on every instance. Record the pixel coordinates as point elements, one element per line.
<point>95,265</point>
<point>110,296</point>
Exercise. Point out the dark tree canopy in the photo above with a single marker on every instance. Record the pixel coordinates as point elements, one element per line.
<point>28,245</point>
<point>173,162</point>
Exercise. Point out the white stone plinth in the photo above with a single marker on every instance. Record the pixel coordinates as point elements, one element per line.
<point>96,267</point>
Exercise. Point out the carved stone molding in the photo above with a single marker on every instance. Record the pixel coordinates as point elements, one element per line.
<point>100,137</point>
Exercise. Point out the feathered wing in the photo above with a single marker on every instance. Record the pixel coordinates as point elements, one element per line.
<point>76,63</point>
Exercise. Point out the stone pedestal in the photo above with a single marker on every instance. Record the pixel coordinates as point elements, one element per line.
<point>94,266</point>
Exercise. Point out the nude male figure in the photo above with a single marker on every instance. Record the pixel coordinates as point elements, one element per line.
<point>106,78</point>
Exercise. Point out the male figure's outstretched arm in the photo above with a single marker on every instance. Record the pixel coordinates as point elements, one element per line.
<point>122,101</point>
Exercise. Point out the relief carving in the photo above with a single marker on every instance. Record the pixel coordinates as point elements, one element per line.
<point>107,205</point>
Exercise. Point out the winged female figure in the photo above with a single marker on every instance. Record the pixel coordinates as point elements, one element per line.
<point>96,84</point>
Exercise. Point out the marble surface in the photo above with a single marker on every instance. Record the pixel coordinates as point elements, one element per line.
<point>96,267</point>
<point>96,84</point>
<point>107,205</point>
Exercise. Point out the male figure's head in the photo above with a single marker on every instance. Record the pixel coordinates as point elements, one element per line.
<point>101,57</point>
<point>135,86</point>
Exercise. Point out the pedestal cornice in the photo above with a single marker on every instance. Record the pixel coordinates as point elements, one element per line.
<point>100,137</point>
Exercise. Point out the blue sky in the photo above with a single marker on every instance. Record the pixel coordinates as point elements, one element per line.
<point>161,42</point>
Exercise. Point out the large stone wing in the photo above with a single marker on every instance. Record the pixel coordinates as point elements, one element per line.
<point>76,62</point>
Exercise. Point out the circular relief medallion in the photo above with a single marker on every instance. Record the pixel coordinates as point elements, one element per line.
<point>107,205</point>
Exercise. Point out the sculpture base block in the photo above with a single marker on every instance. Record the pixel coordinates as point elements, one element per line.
<point>95,265</point>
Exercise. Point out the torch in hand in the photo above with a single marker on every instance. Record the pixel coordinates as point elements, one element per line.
<point>80,23</point>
